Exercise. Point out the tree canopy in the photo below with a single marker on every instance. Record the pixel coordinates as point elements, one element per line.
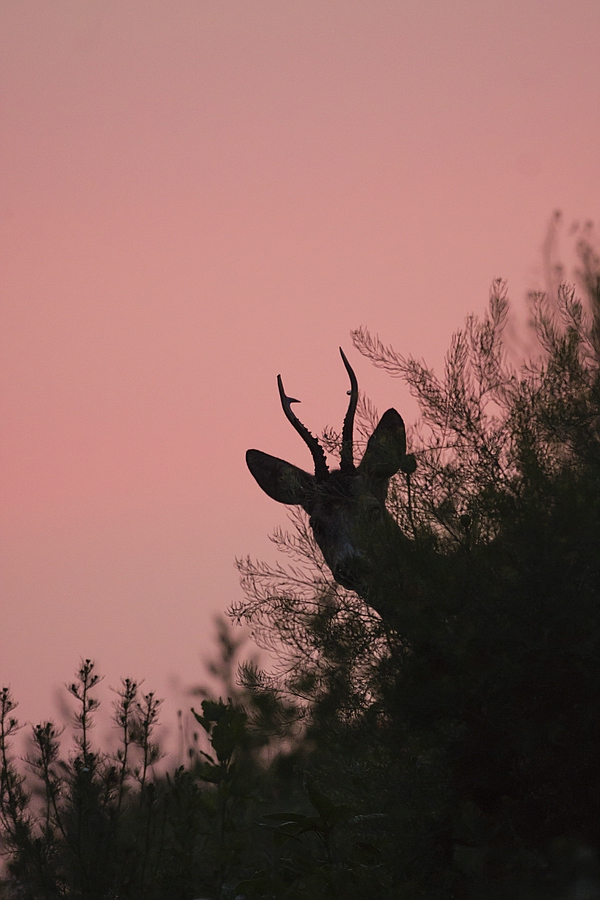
<point>471,722</point>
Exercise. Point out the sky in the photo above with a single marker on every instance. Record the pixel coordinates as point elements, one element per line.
<point>197,196</point>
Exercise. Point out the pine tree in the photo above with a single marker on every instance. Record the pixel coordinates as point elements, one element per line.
<point>473,734</point>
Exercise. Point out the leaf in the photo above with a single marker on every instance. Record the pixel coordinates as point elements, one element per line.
<point>330,812</point>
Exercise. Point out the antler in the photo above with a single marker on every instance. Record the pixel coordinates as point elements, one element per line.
<point>317,452</point>
<point>347,460</point>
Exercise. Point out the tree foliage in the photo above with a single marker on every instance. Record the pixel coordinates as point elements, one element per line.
<point>90,824</point>
<point>470,718</point>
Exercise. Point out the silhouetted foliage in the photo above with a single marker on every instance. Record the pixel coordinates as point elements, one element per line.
<point>93,824</point>
<point>469,719</point>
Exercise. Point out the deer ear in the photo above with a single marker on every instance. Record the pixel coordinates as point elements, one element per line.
<point>279,479</point>
<point>386,448</point>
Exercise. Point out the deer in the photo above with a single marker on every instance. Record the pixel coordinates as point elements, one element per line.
<point>361,542</point>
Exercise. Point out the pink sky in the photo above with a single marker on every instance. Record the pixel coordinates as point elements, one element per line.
<point>198,195</point>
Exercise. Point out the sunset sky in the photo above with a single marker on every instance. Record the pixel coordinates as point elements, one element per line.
<point>197,195</point>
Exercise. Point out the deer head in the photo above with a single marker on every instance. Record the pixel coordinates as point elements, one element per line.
<point>346,507</point>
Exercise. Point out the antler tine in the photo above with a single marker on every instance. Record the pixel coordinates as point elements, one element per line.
<point>317,452</point>
<point>347,460</point>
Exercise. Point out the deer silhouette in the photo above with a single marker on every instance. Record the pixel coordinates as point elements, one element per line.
<point>359,539</point>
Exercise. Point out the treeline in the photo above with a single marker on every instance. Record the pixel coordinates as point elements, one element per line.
<point>83,822</point>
